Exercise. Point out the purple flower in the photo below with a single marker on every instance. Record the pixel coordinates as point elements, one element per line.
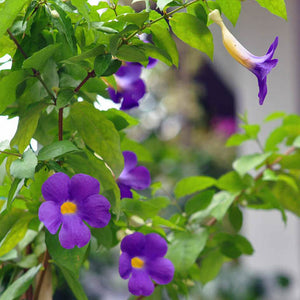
<point>69,202</point>
<point>224,125</point>
<point>132,177</point>
<point>130,87</point>
<point>143,258</point>
<point>258,65</point>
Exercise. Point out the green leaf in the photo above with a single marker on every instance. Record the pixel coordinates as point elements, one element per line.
<point>27,126</point>
<point>56,149</point>
<point>131,53</point>
<point>162,3</point>
<point>20,286</point>
<point>185,248</point>
<point>74,284</point>
<point>163,40</point>
<point>120,118</point>
<point>236,217</point>
<point>70,259</point>
<point>199,202</point>
<point>141,151</point>
<point>15,234</point>
<point>144,209</point>
<point>232,182</point>
<point>14,190</point>
<point>231,9</point>
<point>101,63</point>
<point>9,12</point>
<point>275,137</point>
<point>234,245</point>
<point>136,18</point>
<point>217,208</point>
<point>82,7</point>
<point>99,134</point>
<point>39,58</point>
<point>296,142</point>
<point>8,219</point>
<point>198,11</point>
<point>210,266</point>
<point>251,130</point>
<point>274,116</point>
<point>276,7</point>
<point>193,32</point>
<point>8,85</point>
<point>24,167</point>
<point>87,54</point>
<point>249,162</point>
<point>193,184</point>
<point>287,197</point>
<point>113,67</point>
<point>236,139</point>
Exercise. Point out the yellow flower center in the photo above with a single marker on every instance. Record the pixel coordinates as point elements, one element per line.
<point>137,263</point>
<point>68,207</point>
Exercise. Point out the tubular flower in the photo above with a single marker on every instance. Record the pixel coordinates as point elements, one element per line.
<point>142,259</point>
<point>132,177</point>
<point>260,66</point>
<point>68,203</point>
<point>130,87</point>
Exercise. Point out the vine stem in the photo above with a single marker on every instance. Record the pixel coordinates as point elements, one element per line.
<point>35,72</point>
<point>165,16</point>
<point>60,123</point>
<point>270,166</point>
<point>88,76</point>
<point>9,153</point>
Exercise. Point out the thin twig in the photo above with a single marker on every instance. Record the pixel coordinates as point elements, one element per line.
<point>35,72</point>
<point>88,76</point>
<point>60,123</point>
<point>9,153</point>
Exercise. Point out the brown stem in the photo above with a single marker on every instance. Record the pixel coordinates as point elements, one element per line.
<point>17,43</point>
<point>88,76</point>
<point>41,279</point>
<point>60,123</point>
<point>9,153</point>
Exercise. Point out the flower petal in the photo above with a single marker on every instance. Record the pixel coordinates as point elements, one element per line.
<point>82,186</point>
<point>50,215</point>
<point>73,232</point>
<point>133,92</point>
<point>155,246</point>
<point>138,178</point>
<point>128,73</point>
<point>140,283</point>
<point>114,95</point>
<point>161,270</point>
<point>130,161</point>
<point>56,188</point>
<point>95,211</point>
<point>125,191</point>
<point>133,244</point>
<point>125,267</point>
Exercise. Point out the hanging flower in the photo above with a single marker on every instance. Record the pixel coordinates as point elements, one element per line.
<point>142,259</point>
<point>132,177</point>
<point>258,65</point>
<point>130,87</point>
<point>68,203</point>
